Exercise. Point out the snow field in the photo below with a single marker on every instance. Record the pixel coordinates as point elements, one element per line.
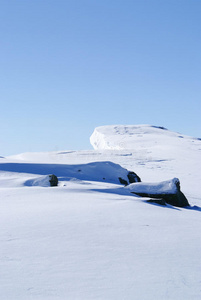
<point>74,243</point>
<point>90,238</point>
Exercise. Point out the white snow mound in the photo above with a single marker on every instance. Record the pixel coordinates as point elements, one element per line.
<point>43,181</point>
<point>164,187</point>
<point>104,171</point>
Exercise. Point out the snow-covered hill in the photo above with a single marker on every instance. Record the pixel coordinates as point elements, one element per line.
<point>154,152</point>
<point>149,140</point>
<point>90,238</point>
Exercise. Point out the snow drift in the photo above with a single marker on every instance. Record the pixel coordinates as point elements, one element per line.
<point>96,171</point>
<point>43,181</point>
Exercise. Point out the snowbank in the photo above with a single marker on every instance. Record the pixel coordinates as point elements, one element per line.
<point>104,171</point>
<point>43,181</point>
<point>165,187</point>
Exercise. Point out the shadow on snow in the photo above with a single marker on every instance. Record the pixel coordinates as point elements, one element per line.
<point>121,191</point>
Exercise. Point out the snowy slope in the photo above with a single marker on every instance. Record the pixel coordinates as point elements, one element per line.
<point>155,153</point>
<point>90,238</point>
<point>151,141</point>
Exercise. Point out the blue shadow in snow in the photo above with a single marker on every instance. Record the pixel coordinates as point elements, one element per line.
<point>163,206</point>
<point>117,191</point>
<point>88,172</point>
<point>121,191</point>
<point>31,168</point>
<point>63,172</point>
<point>195,207</point>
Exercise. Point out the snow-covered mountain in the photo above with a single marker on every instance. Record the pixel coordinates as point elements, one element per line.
<point>90,238</point>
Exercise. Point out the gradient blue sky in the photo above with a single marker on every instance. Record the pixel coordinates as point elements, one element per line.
<point>69,66</point>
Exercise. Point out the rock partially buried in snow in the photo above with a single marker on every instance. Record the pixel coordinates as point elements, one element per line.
<point>43,181</point>
<point>168,190</point>
<point>131,176</point>
<point>53,180</point>
<point>103,171</point>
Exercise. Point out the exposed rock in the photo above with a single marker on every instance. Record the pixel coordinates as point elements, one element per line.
<point>169,191</point>
<point>53,180</point>
<point>123,181</point>
<point>133,177</point>
<point>159,127</point>
<point>157,201</point>
<point>178,199</point>
<point>44,181</point>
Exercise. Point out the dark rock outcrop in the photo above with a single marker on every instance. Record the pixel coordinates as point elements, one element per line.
<point>167,191</point>
<point>157,201</point>
<point>178,199</point>
<point>53,180</point>
<point>123,181</point>
<point>133,177</point>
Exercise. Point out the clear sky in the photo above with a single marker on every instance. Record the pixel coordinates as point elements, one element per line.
<point>68,66</point>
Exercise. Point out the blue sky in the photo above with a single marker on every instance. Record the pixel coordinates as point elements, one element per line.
<point>69,66</point>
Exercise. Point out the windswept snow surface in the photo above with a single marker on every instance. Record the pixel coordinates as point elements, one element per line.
<point>90,238</point>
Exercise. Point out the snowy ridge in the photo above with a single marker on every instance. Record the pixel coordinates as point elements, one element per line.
<point>121,137</point>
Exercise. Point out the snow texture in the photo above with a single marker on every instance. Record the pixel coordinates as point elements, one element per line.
<point>90,238</point>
